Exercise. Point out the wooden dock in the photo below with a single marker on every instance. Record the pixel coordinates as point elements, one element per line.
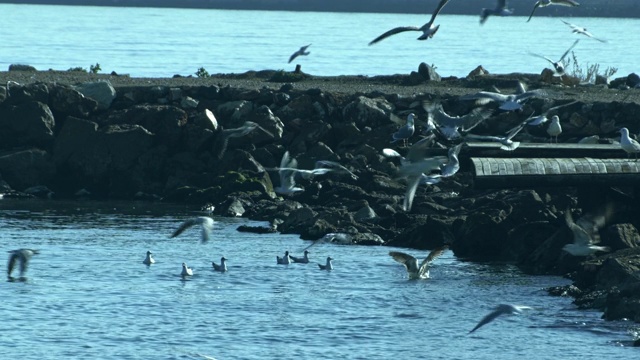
<point>542,165</point>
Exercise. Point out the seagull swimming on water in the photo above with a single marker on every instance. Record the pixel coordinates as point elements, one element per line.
<point>186,271</point>
<point>301,51</point>
<point>629,145</point>
<point>222,267</point>
<point>500,10</point>
<point>205,222</point>
<point>328,265</point>
<point>544,3</point>
<point>428,30</point>
<point>149,259</point>
<point>558,66</point>
<point>302,260</point>
<point>21,255</point>
<point>502,309</point>
<point>285,260</point>
<point>414,270</point>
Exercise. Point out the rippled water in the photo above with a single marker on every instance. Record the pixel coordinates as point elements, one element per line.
<point>88,295</point>
<point>148,42</point>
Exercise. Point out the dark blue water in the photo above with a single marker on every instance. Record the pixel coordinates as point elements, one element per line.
<point>152,42</point>
<point>88,295</point>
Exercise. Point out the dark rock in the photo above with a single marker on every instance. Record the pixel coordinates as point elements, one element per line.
<point>478,71</point>
<point>428,72</point>
<point>622,236</point>
<point>256,229</point>
<point>633,80</point>
<point>21,67</point>
<point>164,121</point>
<point>19,94</point>
<point>370,112</point>
<point>65,100</point>
<point>26,168</point>
<point>27,124</point>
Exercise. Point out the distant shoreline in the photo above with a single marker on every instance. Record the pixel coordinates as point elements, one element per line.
<point>588,8</point>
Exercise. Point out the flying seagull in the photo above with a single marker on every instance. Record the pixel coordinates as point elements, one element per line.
<point>544,3</point>
<point>506,102</point>
<point>414,270</point>
<point>149,259</point>
<point>502,309</point>
<point>428,30</point>
<point>452,127</point>
<point>629,145</point>
<point>583,31</point>
<point>500,10</point>
<point>302,51</point>
<point>558,66</point>
<point>586,233</point>
<point>287,171</point>
<point>22,255</point>
<point>225,135</point>
<point>222,267</point>
<point>206,223</point>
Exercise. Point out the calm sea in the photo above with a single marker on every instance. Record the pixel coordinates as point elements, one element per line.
<point>155,42</point>
<point>88,296</point>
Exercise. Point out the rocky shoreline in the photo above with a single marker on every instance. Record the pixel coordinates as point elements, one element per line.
<point>74,135</point>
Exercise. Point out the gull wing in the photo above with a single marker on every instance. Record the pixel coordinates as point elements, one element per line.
<point>534,10</point>
<point>485,95</point>
<point>393,32</point>
<point>184,226</point>
<point>569,49</point>
<point>12,261</point>
<point>402,258</point>
<point>435,13</point>
<point>580,236</point>
<point>412,186</point>
<point>434,254</point>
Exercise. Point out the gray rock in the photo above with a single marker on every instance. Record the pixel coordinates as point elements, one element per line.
<point>100,91</point>
<point>68,101</point>
<point>21,67</point>
<point>369,112</point>
<point>428,72</point>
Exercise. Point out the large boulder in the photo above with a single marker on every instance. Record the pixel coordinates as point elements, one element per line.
<point>100,91</point>
<point>26,168</point>
<point>65,100</point>
<point>27,124</point>
<point>368,112</point>
<point>164,121</point>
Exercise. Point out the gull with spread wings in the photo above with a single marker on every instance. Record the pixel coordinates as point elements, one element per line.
<point>206,224</point>
<point>301,51</point>
<point>558,66</point>
<point>414,270</point>
<point>500,10</point>
<point>428,30</point>
<point>502,309</point>
<point>544,3</point>
<point>581,31</point>
<point>586,232</point>
<point>452,127</point>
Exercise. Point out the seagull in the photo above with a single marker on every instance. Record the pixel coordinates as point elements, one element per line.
<point>328,266</point>
<point>335,167</point>
<point>558,66</point>
<point>507,102</point>
<point>629,145</point>
<point>542,118</point>
<point>415,165</point>
<point>554,129</point>
<point>428,30</point>
<point>502,309</point>
<point>204,221</point>
<point>22,255</point>
<point>186,271</point>
<point>302,51</point>
<point>338,238</point>
<point>544,3</point>
<point>451,127</point>
<point>405,132</point>
<point>222,267</point>
<point>500,10</point>
<point>302,260</point>
<point>453,165</point>
<point>287,171</point>
<point>585,234</point>
<point>414,270</point>
<point>243,130</point>
<point>285,260</point>
<point>506,143</point>
<point>149,259</point>
<point>580,30</point>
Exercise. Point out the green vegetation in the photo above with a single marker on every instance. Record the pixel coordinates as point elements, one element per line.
<point>94,69</point>
<point>586,73</point>
<point>286,76</point>
<point>202,73</point>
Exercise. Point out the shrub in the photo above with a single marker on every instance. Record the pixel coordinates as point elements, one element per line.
<point>202,73</point>
<point>587,73</point>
